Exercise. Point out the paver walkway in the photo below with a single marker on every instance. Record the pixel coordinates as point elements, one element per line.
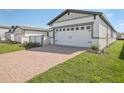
<point>23,65</point>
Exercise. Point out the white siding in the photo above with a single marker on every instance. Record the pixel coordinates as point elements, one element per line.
<point>2,33</point>
<point>73,22</point>
<point>102,31</point>
<point>106,32</point>
<point>33,33</point>
<point>96,27</point>
<point>51,37</point>
<point>18,34</point>
<point>102,43</point>
<point>95,42</point>
<point>25,37</point>
<point>71,16</point>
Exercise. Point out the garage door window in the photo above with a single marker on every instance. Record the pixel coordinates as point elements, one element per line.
<point>88,27</point>
<point>63,29</point>
<point>82,28</point>
<point>60,29</point>
<point>77,28</point>
<point>72,29</point>
<point>68,29</point>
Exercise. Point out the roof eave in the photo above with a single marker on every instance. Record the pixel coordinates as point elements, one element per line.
<point>107,22</point>
<point>44,30</point>
<point>75,11</point>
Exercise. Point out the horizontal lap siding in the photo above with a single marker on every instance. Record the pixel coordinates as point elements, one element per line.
<point>73,22</point>
<point>106,33</point>
<point>2,33</point>
<point>25,38</point>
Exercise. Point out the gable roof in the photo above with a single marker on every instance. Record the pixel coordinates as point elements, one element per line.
<point>74,11</point>
<point>83,12</point>
<point>31,28</point>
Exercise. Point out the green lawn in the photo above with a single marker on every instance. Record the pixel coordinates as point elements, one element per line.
<point>89,67</point>
<point>4,48</point>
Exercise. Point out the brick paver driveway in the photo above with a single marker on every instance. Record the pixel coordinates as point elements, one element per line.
<point>23,65</point>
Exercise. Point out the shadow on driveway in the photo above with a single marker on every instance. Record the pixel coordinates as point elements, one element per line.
<point>122,53</point>
<point>58,49</point>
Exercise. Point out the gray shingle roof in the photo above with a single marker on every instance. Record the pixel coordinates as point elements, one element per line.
<point>31,28</point>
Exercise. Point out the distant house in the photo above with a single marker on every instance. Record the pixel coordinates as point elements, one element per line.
<point>3,30</point>
<point>27,34</point>
<point>82,29</point>
<point>120,36</point>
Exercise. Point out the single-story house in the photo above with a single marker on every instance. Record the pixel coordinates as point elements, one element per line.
<point>3,30</point>
<point>120,36</point>
<point>27,34</point>
<point>82,29</point>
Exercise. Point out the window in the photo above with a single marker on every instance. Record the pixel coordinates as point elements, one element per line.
<point>72,29</point>
<point>63,29</point>
<point>60,29</point>
<point>77,28</point>
<point>68,29</point>
<point>82,28</point>
<point>88,27</point>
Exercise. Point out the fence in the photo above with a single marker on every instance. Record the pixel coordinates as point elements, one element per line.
<point>36,39</point>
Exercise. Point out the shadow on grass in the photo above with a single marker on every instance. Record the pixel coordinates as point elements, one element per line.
<point>122,53</point>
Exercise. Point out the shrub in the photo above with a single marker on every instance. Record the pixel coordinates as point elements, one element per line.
<point>11,42</point>
<point>30,45</point>
<point>94,48</point>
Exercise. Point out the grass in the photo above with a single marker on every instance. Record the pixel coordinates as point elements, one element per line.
<point>5,48</point>
<point>88,67</point>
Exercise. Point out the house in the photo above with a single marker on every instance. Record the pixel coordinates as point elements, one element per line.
<point>27,34</point>
<point>120,36</point>
<point>3,30</point>
<point>82,29</point>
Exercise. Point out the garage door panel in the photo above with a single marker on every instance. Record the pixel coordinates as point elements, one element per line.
<point>81,38</point>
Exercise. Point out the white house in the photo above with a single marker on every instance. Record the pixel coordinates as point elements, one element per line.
<point>27,34</point>
<point>82,29</point>
<point>120,36</point>
<point>3,30</point>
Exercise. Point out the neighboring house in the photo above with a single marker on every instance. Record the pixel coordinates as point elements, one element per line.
<point>24,34</point>
<point>82,29</point>
<point>10,34</point>
<point>3,30</point>
<point>120,36</point>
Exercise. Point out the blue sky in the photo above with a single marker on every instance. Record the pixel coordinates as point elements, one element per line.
<point>40,17</point>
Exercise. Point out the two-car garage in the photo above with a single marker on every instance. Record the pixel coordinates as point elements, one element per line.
<point>79,36</point>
